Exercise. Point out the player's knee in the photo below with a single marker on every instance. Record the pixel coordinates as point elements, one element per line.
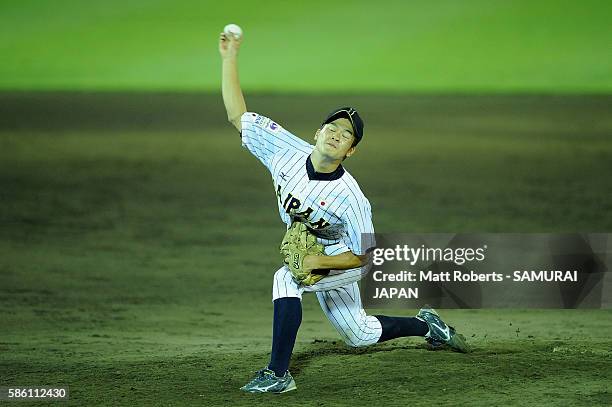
<point>351,342</point>
<point>352,338</point>
<point>355,342</point>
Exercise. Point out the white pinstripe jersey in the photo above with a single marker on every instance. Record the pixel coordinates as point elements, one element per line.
<point>332,205</point>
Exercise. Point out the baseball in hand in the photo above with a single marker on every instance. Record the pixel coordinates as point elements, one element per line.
<point>233,29</point>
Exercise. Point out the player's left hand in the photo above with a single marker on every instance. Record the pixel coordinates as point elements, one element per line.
<point>298,248</point>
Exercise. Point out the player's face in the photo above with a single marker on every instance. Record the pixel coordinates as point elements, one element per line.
<point>335,139</point>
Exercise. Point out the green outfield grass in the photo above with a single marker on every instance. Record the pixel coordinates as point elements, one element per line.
<point>316,46</point>
<point>136,266</point>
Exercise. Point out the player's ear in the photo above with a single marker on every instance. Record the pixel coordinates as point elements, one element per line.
<point>351,151</point>
<point>317,133</point>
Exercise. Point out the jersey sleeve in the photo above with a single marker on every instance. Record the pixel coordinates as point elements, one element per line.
<point>264,138</point>
<point>359,227</point>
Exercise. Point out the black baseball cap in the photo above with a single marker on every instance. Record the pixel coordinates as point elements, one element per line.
<point>350,114</point>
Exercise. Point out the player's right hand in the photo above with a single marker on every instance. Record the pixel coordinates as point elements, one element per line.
<point>229,45</point>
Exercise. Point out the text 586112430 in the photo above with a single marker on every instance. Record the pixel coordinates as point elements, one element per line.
<point>38,392</point>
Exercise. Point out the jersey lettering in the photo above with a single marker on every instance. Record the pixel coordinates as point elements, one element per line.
<point>303,215</point>
<point>320,224</point>
<point>292,204</point>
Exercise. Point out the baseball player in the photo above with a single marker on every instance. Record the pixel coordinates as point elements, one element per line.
<point>313,188</point>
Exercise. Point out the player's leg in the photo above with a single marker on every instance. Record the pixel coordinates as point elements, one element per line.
<point>287,298</point>
<point>340,299</point>
<point>342,306</point>
<point>428,324</point>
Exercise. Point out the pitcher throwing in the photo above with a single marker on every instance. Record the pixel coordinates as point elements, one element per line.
<point>315,192</point>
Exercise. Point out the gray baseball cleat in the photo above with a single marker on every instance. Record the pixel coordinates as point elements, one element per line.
<point>441,334</point>
<point>266,381</point>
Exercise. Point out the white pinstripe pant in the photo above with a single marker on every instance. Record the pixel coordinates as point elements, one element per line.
<point>338,295</point>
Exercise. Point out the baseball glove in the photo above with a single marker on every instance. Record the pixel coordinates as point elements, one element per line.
<point>297,244</point>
